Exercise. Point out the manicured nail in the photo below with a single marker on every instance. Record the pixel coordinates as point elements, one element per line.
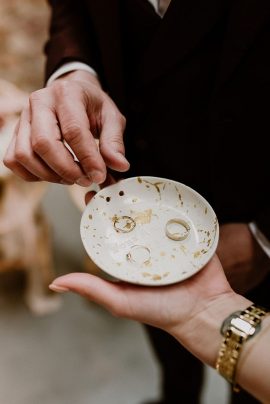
<point>58,289</point>
<point>97,176</point>
<point>84,182</point>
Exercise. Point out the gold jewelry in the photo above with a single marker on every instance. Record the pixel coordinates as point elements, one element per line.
<point>177,236</point>
<point>237,329</point>
<point>123,224</point>
<point>139,254</point>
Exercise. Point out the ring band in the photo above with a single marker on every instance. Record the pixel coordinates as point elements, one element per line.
<point>177,236</point>
<point>135,260</point>
<point>124,224</point>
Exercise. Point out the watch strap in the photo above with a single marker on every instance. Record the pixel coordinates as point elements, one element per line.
<point>234,339</point>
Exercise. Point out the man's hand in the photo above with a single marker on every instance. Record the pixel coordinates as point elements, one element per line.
<point>244,262</point>
<point>73,108</point>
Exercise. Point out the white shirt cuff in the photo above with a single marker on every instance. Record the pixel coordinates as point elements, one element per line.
<point>154,4</point>
<point>260,237</point>
<point>69,67</point>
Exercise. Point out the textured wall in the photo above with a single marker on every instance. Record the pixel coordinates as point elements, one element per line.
<point>23,31</point>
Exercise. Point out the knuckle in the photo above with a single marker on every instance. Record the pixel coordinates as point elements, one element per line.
<point>21,156</point>
<point>62,87</point>
<point>40,144</point>
<point>71,131</point>
<point>122,121</point>
<point>90,160</point>
<point>9,162</point>
<point>116,144</point>
<point>37,95</point>
<point>117,141</point>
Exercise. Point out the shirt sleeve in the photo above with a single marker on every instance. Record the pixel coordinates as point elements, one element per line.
<point>69,67</point>
<point>260,238</point>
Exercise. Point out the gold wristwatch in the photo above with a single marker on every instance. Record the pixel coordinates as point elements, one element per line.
<point>236,329</point>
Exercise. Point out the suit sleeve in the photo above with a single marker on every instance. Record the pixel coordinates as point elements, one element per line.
<point>70,37</point>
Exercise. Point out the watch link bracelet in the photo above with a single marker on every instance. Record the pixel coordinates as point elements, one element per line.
<point>236,330</point>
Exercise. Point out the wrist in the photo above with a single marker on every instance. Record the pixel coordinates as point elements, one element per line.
<point>80,75</point>
<point>201,333</point>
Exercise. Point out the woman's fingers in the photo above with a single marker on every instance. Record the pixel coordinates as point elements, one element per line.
<point>107,294</point>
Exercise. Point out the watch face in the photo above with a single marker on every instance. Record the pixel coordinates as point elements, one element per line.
<point>227,322</point>
<point>239,324</point>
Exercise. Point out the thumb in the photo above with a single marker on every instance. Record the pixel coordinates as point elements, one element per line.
<point>111,141</point>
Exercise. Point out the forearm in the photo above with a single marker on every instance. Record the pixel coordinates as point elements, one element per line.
<point>203,338</point>
<point>254,364</point>
<point>71,36</point>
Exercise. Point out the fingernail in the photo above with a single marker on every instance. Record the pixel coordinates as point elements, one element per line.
<point>97,176</point>
<point>123,158</point>
<point>84,181</point>
<point>58,289</point>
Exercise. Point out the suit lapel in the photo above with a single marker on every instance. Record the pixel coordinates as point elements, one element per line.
<point>246,20</point>
<point>184,25</point>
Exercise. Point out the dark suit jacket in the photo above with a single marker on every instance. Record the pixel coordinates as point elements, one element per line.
<point>195,87</point>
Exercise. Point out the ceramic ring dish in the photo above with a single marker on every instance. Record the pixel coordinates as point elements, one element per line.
<point>149,231</point>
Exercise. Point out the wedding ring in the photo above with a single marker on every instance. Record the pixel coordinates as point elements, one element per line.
<point>123,224</point>
<point>139,254</point>
<point>177,236</point>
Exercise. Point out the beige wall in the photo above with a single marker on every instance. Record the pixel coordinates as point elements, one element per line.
<point>23,32</point>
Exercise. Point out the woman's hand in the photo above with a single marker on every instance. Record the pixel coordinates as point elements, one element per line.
<point>189,310</point>
<point>163,307</point>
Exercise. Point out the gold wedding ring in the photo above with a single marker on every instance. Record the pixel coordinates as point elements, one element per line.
<point>177,236</point>
<point>123,224</point>
<point>139,254</point>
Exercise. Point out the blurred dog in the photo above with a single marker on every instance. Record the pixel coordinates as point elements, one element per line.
<point>24,232</point>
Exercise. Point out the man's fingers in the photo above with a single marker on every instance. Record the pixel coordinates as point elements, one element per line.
<point>10,162</point>
<point>25,155</point>
<point>72,112</point>
<point>111,139</point>
<point>109,181</point>
<point>75,129</point>
<point>88,196</point>
<point>46,140</point>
